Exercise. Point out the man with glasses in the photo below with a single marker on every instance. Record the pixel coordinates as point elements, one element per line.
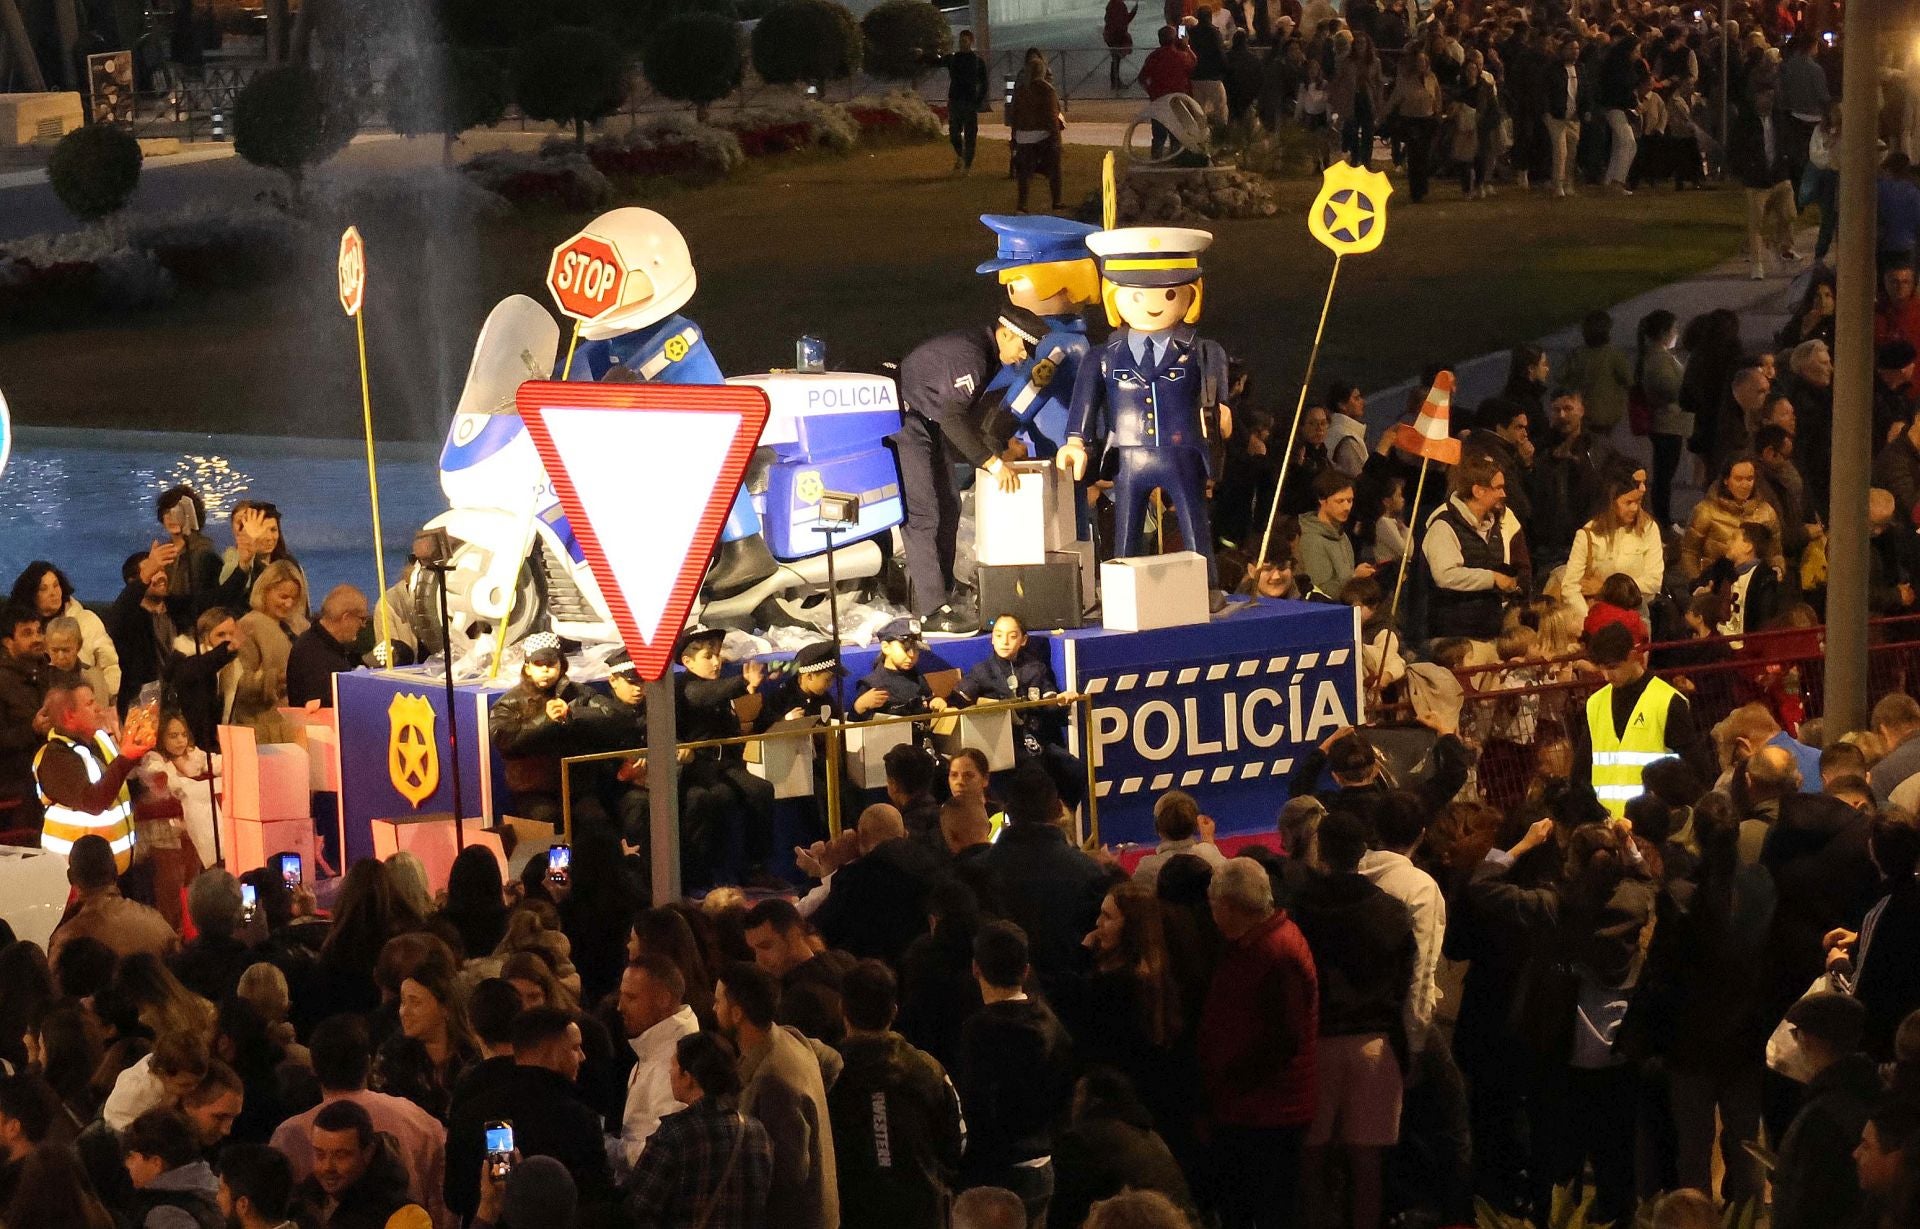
<point>326,647</point>
<point>1475,562</point>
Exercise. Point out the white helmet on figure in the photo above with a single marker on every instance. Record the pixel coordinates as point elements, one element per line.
<point>659,270</point>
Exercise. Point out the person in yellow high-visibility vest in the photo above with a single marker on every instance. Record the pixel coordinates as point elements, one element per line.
<point>1635,719</point>
<point>81,775</point>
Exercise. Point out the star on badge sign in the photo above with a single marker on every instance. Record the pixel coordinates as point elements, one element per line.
<point>1348,215</point>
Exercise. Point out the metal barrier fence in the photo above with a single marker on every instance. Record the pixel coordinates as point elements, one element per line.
<point>834,735</point>
<point>1526,718</point>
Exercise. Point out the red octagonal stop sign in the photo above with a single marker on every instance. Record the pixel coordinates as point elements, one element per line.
<point>586,277</point>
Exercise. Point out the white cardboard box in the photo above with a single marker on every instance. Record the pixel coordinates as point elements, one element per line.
<point>1021,526</point>
<point>867,747</point>
<point>784,763</point>
<point>1145,592</point>
<point>989,733</point>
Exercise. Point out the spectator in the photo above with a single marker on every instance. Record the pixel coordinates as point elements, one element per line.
<point>809,979</point>
<point>1896,468</point>
<point>1014,1074</point>
<point>1601,373</point>
<point>539,1191</point>
<point>897,1130</point>
<point>342,1058</point>
<point>1614,95</point>
<point>1257,1050</point>
<point>211,964</point>
<point>548,1117</point>
<point>174,1067</point>
<point>23,726</point>
<point>1897,212</point>
<point>1168,70</point>
<point>257,545</point>
<point>709,1160</point>
<point>325,648</point>
<point>99,911</point>
<point>174,1187</point>
<point>989,1207</point>
<point>1759,155</point>
<point>785,1089</point>
<point>140,623</point>
<point>476,900</point>
<point>1620,539</point>
<point>966,95</point>
<point>1364,954</point>
<point>45,589</point>
<point>193,567</point>
<point>1896,718</point>
<point>1036,121</point>
<point>255,1187</point>
<point>877,902</point>
<point>1885,1164</point>
<point>1049,888</point>
<point>1413,107</point>
<point>1813,1184</point>
<point>1398,829</point>
<point>1176,820</point>
<point>1110,1147</point>
<point>1471,558</point>
<point>1326,549</point>
<point>1565,480</point>
<point>357,1180</point>
<point>26,1115</point>
<point>1731,502</point>
<point>1115,34</point>
<point>654,1017</point>
<point>434,1046</point>
<point>279,615</point>
<point>52,1189</point>
<point>1632,721</point>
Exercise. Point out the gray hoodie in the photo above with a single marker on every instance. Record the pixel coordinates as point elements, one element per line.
<point>195,1179</point>
<point>1326,554</point>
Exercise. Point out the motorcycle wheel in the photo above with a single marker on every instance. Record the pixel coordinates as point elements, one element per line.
<point>468,631</point>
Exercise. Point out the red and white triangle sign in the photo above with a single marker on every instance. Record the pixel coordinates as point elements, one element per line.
<point>647,474</point>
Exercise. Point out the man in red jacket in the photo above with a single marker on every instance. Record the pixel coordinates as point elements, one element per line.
<point>1168,70</point>
<point>1257,1035</point>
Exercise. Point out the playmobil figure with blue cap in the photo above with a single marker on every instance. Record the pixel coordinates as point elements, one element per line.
<point>1044,264</point>
<point>645,339</point>
<point>1149,389</point>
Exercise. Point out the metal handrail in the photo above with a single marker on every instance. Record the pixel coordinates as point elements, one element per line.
<point>834,732</point>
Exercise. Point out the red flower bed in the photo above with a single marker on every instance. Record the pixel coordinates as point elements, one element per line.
<point>876,119</point>
<point>680,159</point>
<point>555,188</point>
<point>775,139</point>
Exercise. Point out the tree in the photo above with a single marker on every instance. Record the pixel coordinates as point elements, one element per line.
<point>283,119</point>
<point>696,58</point>
<point>811,41</point>
<point>472,92</point>
<point>94,170</point>
<point>570,75</point>
<point>900,35</point>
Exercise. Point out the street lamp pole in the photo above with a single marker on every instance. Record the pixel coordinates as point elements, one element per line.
<point>1846,648</point>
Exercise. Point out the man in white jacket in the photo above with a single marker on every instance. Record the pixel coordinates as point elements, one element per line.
<point>654,1015</point>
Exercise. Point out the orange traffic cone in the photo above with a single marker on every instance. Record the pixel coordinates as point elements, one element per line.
<point>1429,435</point>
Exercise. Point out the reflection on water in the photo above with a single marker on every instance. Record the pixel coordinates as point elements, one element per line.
<point>84,499</point>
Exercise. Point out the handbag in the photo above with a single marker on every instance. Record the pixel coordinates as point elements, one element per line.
<point>1783,1048</point>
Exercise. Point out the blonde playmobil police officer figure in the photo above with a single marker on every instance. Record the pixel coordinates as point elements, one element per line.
<point>1043,263</point>
<point>645,339</point>
<point>1150,387</point>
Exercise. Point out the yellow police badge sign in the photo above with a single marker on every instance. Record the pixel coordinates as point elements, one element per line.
<point>676,348</point>
<point>413,758</point>
<point>1350,214</point>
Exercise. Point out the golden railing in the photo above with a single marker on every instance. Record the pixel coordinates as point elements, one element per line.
<point>835,734</point>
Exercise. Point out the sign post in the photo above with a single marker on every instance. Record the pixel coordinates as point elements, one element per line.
<point>353,300</point>
<point>647,474</point>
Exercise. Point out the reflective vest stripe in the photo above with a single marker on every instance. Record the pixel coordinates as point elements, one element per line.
<point>1620,758</point>
<point>62,826</point>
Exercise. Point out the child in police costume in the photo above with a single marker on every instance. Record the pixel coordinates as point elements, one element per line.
<point>895,687</point>
<point>714,781</point>
<point>644,339</point>
<point>543,718</point>
<point>1013,673</point>
<point>1150,389</point>
<point>1043,263</point>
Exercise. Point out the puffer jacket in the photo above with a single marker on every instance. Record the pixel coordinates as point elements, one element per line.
<point>1716,519</point>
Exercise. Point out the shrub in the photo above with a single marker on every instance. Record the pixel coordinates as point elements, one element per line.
<point>472,93</point>
<point>807,42</point>
<point>570,75</point>
<point>798,123</point>
<point>900,35</point>
<point>896,116</point>
<point>696,58</point>
<point>283,119</point>
<point>94,170</point>
<point>558,177</point>
<point>670,143</point>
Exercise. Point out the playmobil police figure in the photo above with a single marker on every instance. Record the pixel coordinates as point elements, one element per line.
<point>645,339</point>
<point>1149,389</point>
<point>943,388</point>
<point>1044,264</point>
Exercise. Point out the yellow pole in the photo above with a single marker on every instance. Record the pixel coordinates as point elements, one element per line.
<point>567,370</point>
<point>1306,382</point>
<point>1406,565</point>
<point>373,490</point>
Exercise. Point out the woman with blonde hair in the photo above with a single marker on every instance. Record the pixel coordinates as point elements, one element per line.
<point>163,1004</point>
<point>533,977</point>
<point>264,987</point>
<point>409,876</point>
<point>279,614</point>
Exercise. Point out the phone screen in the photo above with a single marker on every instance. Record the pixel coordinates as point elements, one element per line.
<point>499,1138</point>
<point>290,869</point>
<point>249,897</point>
<point>559,861</point>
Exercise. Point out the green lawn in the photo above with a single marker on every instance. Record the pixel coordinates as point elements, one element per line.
<point>873,253</point>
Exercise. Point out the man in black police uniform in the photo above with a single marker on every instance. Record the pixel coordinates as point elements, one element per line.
<point>1012,673</point>
<point>943,392</point>
<point>714,782</point>
<point>895,685</point>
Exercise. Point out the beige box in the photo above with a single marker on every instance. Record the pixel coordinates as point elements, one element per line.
<point>1145,592</point>
<point>867,747</point>
<point>989,733</point>
<point>29,118</point>
<point>1021,526</point>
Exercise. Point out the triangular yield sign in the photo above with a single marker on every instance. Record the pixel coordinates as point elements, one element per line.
<point>647,474</point>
